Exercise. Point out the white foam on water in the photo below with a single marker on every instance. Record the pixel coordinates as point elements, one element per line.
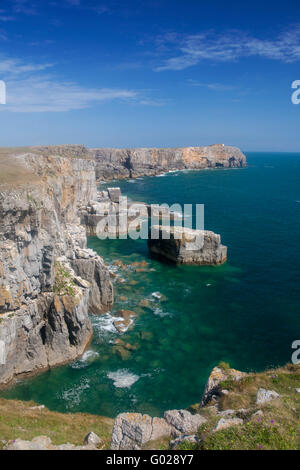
<point>157,295</point>
<point>85,360</point>
<point>73,395</point>
<point>103,324</point>
<point>158,311</point>
<point>123,378</point>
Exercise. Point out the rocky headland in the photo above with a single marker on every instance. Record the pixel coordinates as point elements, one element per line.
<point>50,281</point>
<point>132,163</point>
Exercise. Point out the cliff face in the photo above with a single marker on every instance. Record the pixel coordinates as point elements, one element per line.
<point>49,280</point>
<point>124,163</point>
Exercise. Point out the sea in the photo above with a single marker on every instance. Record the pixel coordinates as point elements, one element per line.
<point>245,312</point>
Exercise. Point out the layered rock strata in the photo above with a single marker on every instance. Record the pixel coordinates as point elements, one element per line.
<point>186,246</point>
<point>132,163</point>
<point>49,280</point>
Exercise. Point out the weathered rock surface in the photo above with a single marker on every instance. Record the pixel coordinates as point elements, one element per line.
<point>133,430</point>
<point>43,324</point>
<point>217,376</point>
<point>187,246</point>
<point>124,163</point>
<point>225,423</point>
<point>45,443</point>
<point>92,439</point>
<point>264,396</point>
<point>183,421</point>
<point>112,214</point>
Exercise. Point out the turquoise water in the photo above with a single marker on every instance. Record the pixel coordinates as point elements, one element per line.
<point>245,312</point>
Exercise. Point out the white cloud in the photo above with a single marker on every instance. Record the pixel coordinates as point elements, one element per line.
<point>41,94</point>
<point>189,50</point>
<point>31,88</point>
<point>11,67</point>
<point>212,86</point>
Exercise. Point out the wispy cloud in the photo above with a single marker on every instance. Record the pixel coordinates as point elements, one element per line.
<point>35,88</point>
<point>10,67</point>
<point>40,94</point>
<point>187,50</point>
<point>212,86</point>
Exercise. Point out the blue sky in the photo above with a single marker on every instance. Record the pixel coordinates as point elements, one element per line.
<point>150,73</point>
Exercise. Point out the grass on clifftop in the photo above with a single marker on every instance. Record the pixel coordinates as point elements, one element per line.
<point>11,172</point>
<point>19,420</point>
<point>278,428</point>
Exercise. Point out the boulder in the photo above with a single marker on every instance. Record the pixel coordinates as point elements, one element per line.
<point>264,396</point>
<point>92,439</point>
<point>183,421</point>
<point>132,430</point>
<point>225,423</point>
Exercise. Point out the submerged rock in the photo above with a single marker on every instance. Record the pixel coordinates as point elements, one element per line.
<point>186,246</point>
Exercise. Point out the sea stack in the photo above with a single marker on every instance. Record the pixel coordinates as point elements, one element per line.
<point>182,245</point>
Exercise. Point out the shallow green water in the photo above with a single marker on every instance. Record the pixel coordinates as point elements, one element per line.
<point>245,312</point>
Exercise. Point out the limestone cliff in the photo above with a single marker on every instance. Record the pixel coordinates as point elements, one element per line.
<point>124,163</point>
<point>49,280</point>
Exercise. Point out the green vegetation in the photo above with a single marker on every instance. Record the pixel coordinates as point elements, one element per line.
<point>276,428</point>
<point>224,366</point>
<point>64,284</point>
<point>19,420</point>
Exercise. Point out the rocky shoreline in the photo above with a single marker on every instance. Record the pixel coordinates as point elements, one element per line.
<point>50,281</point>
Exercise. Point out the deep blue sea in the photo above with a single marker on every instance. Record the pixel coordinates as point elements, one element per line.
<point>245,312</point>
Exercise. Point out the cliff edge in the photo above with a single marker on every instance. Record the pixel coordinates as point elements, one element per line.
<point>132,163</point>
<point>49,280</point>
